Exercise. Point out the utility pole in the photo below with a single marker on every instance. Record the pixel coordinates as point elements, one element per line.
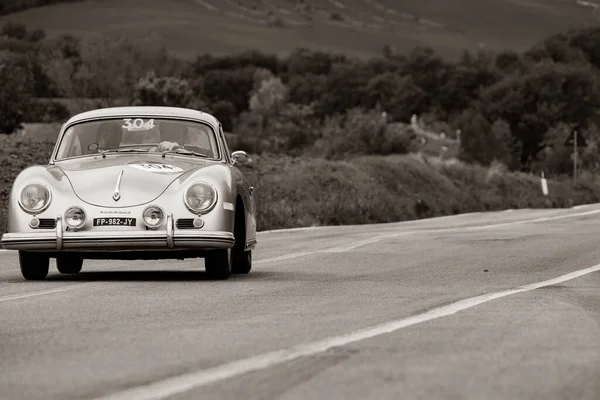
<point>575,139</point>
<point>575,156</point>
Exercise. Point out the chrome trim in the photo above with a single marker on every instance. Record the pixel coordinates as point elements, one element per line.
<point>117,241</point>
<point>34,223</point>
<point>59,232</point>
<point>84,217</point>
<point>235,154</point>
<point>251,244</point>
<point>207,209</point>
<point>116,195</point>
<point>162,214</point>
<point>41,209</point>
<point>170,231</point>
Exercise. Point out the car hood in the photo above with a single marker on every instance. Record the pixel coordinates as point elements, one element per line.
<point>139,179</point>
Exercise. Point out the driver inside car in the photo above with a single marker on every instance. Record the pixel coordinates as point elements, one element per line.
<point>109,136</point>
<point>172,136</point>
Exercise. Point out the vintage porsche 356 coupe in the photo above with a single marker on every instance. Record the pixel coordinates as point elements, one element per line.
<point>134,183</point>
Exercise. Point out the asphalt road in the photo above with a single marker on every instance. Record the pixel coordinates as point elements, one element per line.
<point>481,306</point>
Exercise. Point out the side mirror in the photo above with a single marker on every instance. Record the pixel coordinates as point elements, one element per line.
<point>239,156</point>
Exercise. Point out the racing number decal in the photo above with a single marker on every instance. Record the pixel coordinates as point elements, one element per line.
<point>155,167</point>
<point>137,124</point>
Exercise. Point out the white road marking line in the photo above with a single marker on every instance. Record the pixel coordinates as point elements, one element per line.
<point>286,257</point>
<point>354,245</point>
<point>524,221</point>
<point>58,290</point>
<point>183,383</point>
<point>206,5</point>
<point>351,246</point>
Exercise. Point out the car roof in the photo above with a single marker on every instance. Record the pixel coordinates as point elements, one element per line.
<point>154,111</point>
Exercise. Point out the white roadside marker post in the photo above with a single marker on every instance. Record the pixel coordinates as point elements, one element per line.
<point>544,185</point>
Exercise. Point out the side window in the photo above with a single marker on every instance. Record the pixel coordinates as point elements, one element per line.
<point>227,153</point>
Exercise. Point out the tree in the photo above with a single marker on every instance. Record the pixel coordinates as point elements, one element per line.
<point>233,86</point>
<point>464,81</point>
<point>15,30</point>
<point>165,91</point>
<point>304,61</point>
<point>61,59</point>
<point>508,62</point>
<point>475,137</point>
<point>295,129</point>
<point>252,58</point>
<point>358,132</point>
<point>398,95</point>
<point>556,48</point>
<point>224,111</point>
<point>555,157</point>
<point>550,93</point>
<point>267,98</point>
<point>306,89</point>
<point>503,146</point>
<point>17,83</point>
<point>345,88</point>
<point>427,69</point>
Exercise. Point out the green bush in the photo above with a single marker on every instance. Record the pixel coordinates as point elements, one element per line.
<point>297,192</point>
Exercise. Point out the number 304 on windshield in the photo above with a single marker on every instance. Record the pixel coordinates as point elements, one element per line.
<point>138,124</point>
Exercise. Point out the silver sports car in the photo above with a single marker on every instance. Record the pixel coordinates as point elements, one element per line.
<point>134,183</point>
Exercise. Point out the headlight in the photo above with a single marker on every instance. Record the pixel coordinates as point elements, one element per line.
<point>153,217</point>
<point>75,217</point>
<point>34,198</point>
<point>200,197</point>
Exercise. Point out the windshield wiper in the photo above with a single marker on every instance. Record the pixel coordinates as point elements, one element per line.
<point>184,151</point>
<point>133,150</point>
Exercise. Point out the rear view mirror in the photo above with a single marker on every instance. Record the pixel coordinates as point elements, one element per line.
<point>239,156</point>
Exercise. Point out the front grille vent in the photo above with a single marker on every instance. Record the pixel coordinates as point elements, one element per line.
<point>185,223</point>
<point>47,223</point>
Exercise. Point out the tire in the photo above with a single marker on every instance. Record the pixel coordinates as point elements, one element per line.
<point>242,263</point>
<point>34,266</point>
<point>218,264</point>
<point>241,260</point>
<point>69,265</point>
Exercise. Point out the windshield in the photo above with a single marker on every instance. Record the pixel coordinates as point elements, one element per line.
<point>143,135</point>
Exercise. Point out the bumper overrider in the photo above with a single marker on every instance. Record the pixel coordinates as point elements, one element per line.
<point>59,239</point>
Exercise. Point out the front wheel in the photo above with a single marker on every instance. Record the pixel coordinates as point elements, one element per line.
<point>218,264</point>
<point>69,265</point>
<point>242,264</point>
<point>34,266</point>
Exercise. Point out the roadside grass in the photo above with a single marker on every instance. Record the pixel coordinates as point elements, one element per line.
<point>294,192</point>
<point>376,189</point>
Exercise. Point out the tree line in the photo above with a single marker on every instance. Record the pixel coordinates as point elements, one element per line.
<point>514,108</point>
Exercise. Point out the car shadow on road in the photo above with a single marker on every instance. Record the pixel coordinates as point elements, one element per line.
<point>146,276</point>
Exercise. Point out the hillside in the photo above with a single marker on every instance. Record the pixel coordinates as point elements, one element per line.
<point>356,27</point>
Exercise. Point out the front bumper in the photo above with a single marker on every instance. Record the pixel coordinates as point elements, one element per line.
<point>169,239</point>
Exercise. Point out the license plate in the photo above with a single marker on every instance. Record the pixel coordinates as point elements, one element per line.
<point>116,221</point>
